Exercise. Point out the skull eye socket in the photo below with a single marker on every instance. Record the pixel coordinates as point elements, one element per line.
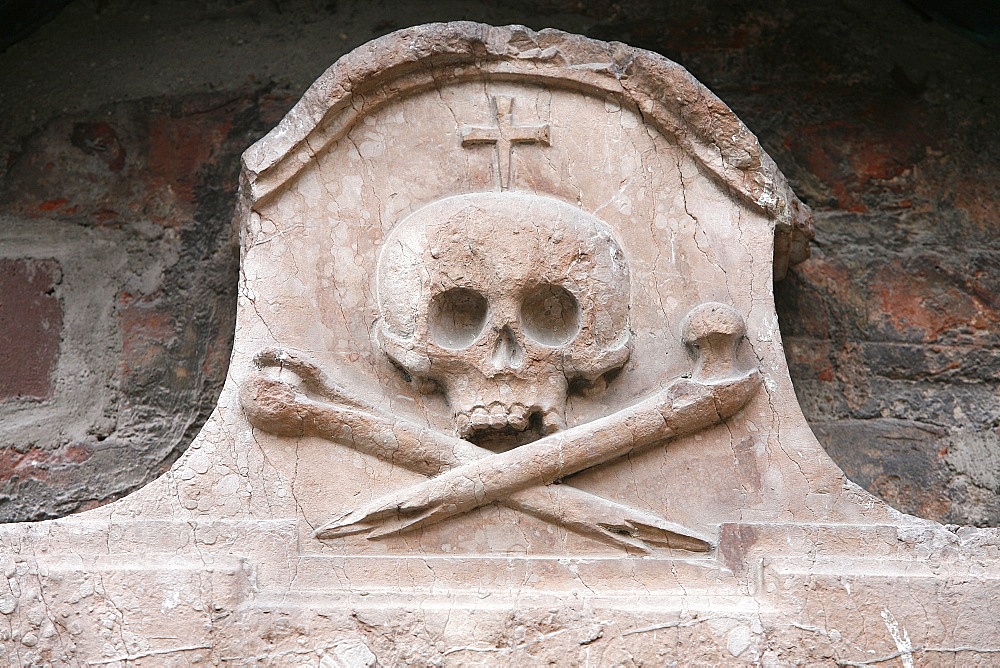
<point>456,317</point>
<point>550,314</point>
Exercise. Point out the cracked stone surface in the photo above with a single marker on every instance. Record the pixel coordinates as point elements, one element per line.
<point>335,510</point>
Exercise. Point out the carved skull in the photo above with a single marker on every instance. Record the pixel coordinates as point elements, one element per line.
<point>504,299</point>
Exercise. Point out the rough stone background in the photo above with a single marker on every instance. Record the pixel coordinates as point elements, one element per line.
<point>120,134</point>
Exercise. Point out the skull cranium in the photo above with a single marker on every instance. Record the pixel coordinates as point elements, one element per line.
<point>503,299</point>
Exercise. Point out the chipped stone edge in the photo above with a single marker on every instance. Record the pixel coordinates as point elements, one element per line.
<point>686,110</point>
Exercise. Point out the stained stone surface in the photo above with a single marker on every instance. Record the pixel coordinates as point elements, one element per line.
<point>507,388</point>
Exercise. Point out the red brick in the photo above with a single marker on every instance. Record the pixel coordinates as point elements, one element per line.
<point>918,301</point>
<point>178,147</point>
<point>146,332</point>
<point>39,464</point>
<point>30,327</point>
<point>100,140</point>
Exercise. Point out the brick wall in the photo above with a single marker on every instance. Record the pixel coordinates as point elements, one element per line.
<point>119,146</point>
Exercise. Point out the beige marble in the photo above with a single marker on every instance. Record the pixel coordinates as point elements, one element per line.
<point>507,388</point>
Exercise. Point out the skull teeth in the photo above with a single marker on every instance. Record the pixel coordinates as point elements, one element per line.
<point>552,421</point>
<point>495,417</point>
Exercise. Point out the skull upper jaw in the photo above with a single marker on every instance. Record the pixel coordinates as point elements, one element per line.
<point>487,397</point>
<point>506,406</point>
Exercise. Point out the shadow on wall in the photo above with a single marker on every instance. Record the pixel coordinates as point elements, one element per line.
<point>119,156</point>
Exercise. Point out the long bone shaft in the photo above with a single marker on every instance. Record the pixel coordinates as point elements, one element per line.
<point>685,406</point>
<point>278,407</point>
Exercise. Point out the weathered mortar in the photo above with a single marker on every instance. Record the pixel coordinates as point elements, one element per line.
<point>121,143</point>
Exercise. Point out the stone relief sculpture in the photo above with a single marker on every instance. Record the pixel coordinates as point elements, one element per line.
<point>503,300</point>
<point>507,389</point>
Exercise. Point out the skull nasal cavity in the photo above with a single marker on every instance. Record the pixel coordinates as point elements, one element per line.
<point>550,315</point>
<point>508,353</point>
<point>457,317</point>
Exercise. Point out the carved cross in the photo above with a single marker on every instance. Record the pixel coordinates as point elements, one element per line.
<point>504,135</point>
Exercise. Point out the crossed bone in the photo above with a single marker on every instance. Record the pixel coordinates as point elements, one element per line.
<point>289,395</point>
